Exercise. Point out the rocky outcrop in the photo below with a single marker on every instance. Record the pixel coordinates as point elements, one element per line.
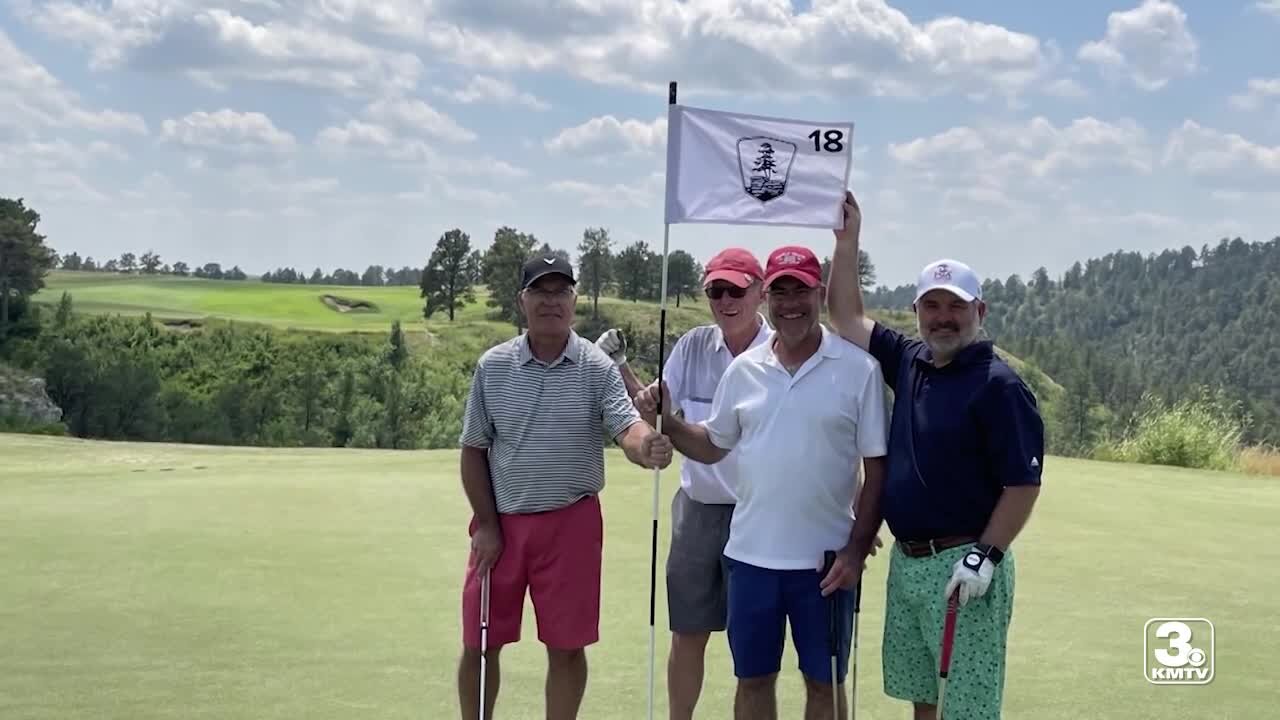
<point>23,396</point>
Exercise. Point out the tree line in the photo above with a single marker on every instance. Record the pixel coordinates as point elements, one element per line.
<point>1125,330</point>
<point>455,269</point>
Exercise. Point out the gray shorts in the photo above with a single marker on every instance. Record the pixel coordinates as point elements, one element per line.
<point>697,575</point>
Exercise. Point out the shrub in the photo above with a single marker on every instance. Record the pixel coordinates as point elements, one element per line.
<point>1202,431</point>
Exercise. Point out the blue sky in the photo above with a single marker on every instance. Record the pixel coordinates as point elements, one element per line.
<point>332,133</point>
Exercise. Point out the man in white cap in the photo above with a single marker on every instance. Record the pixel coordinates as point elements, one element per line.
<point>966,451</point>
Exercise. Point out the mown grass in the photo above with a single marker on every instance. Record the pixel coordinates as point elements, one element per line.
<point>149,581</point>
<point>302,307</point>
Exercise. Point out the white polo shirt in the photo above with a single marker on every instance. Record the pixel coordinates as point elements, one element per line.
<point>691,374</point>
<point>799,441</point>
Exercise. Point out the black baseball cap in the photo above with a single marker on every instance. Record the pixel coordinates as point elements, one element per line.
<point>540,265</point>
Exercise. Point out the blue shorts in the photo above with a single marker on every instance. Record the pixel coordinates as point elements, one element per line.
<point>761,601</point>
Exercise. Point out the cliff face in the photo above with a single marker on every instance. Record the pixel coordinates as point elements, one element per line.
<point>23,396</point>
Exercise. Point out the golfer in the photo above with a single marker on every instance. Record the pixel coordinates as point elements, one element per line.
<point>697,588</point>
<point>966,451</point>
<point>533,435</point>
<point>799,412</point>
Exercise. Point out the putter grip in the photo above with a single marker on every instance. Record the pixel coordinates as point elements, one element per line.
<point>829,561</point>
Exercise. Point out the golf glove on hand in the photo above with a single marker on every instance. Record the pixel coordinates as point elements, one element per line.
<point>613,345</point>
<point>972,573</point>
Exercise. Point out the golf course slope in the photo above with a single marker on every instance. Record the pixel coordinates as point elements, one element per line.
<point>165,581</point>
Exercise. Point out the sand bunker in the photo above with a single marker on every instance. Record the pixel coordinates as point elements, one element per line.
<point>183,325</point>
<point>346,305</point>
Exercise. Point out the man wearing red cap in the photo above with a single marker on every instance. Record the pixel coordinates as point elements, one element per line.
<point>703,505</point>
<point>799,412</point>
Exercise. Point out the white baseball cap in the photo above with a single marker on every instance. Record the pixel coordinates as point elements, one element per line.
<point>950,275</point>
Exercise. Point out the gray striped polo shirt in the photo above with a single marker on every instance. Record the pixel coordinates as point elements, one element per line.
<point>545,424</point>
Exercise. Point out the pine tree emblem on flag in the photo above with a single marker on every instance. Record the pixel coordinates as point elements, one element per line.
<point>765,163</point>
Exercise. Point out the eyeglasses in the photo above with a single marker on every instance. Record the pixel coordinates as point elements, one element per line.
<point>715,292</point>
<point>543,294</point>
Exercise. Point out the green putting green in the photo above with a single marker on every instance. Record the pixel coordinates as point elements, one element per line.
<point>165,581</point>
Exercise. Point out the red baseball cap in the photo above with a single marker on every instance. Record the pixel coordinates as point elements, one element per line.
<point>733,265</point>
<point>794,261</point>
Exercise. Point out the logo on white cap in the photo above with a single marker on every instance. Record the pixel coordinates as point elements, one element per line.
<point>950,275</point>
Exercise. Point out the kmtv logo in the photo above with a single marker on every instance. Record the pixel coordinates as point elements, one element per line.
<point>1178,651</point>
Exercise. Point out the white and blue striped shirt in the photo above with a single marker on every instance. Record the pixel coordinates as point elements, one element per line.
<point>545,424</point>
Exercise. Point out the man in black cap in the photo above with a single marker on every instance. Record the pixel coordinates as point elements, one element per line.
<point>539,410</point>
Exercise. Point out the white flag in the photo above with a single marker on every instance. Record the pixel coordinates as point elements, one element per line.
<point>739,169</point>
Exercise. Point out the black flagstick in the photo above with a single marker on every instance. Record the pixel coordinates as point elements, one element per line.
<point>657,472</point>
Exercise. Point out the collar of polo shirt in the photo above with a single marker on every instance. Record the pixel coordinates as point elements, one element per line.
<point>566,355</point>
<point>764,328</point>
<point>828,348</point>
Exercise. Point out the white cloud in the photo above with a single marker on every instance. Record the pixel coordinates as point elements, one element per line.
<point>1222,159</point>
<point>31,99</point>
<point>415,116</point>
<point>1066,88</point>
<point>765,48</point>
<point>487,89</point>
<point>355,134</point>
<point>1149,45</point>
<point>1260,91</point>
<point>608,134</point>
<point>1015,168</point>
<point>1270,7</point>
<point>641,194</point>
<point>226,129</point>
<point>1038,149</point>
<point>215,45</point>
<point>761,47</point>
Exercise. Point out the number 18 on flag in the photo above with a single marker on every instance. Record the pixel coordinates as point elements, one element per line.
<point>741,169</point>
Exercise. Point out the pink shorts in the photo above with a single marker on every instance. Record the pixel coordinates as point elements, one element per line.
<point>557,556</point>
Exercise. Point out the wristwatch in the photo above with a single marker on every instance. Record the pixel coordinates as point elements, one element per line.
<point>982,551</point>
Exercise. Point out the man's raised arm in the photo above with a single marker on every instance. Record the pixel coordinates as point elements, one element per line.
<point>844,287</point>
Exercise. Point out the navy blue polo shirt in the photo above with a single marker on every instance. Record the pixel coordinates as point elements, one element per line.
<point>974,427</point>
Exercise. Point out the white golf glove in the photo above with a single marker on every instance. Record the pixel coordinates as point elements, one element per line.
<point>972,574</point>
<point>613,345</point>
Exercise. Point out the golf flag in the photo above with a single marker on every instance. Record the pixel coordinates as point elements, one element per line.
<point>740,169</point>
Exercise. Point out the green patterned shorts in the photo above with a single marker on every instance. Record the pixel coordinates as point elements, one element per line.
<point>915,610</point>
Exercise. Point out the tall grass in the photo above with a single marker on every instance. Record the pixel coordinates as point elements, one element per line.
<point>1202,431</point>
<point>1260,461</point>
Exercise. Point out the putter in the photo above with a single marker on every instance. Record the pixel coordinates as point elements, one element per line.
<point>948,639</point>
<point>484,637</point>
<point>833,634</point>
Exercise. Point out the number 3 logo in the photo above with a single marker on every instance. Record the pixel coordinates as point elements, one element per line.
<point>1180,641</point>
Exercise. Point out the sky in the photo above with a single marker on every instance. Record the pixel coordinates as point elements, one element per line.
<point>326,133</point>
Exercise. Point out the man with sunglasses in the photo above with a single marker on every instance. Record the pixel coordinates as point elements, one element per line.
<point>703,505</point>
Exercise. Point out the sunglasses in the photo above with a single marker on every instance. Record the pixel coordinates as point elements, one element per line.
<point>716,292</point>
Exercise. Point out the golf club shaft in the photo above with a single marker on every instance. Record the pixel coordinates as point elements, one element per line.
<point>484,638</point>
<point>853,653</point>
<point>833,635</point>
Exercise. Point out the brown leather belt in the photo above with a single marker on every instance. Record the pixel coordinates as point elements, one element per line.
<point>933,546</point>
